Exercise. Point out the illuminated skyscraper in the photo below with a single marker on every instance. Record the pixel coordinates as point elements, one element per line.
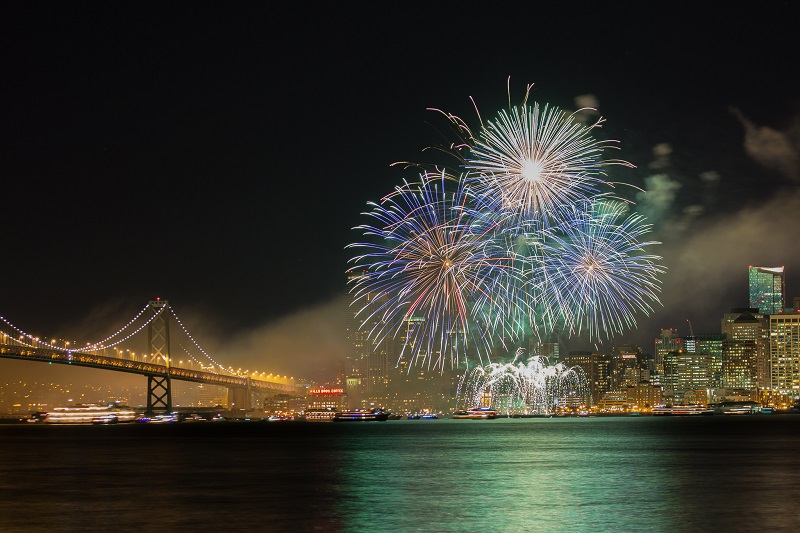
<point>767,289</point>
<point>587,361</point>
<point>744,363</point>
<point>667,341</point>
<point>784,353</point>
<point>710,344</point>
<point>686,372</point>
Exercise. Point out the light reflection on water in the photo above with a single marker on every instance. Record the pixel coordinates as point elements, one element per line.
<point>505,475</point>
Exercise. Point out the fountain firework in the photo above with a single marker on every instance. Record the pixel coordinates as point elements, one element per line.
<point>535,387</point>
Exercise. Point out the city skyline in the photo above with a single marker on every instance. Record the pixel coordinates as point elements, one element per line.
<point>204,166</point>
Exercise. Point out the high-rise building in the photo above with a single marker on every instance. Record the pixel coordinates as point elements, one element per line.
<point>368,362</point>
<point>744,361</point>
<point>767,289</point>
<point>627,366</point>
<point>709,344</point>
<point>686,371</point>
<point>784,353</point>
<point>587,362</point>
<point>667,341</point>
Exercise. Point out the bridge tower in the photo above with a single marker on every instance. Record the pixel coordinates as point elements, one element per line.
<point>159,390</point>
<point>239,399</point>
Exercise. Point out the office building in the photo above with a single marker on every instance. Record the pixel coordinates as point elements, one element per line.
<point>784,353</point>
<point>744,360</point>
<point>628,369</point>
<point>368,362</point>
<point>767,289</point>
<point>711,345</point>
<point>667,341</point>
<point>587,362</point>
<point>686,371</point>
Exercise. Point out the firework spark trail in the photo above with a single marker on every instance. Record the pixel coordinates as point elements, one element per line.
<point>597,270</point>
<point>431,259</point>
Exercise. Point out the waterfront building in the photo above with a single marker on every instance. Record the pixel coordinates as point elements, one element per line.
<point>614,402</point>
<point>784,353</point>
<point>644,396</point>
<point>767,289</point>
<point>604,377</point>
<point>414,388</point>
<point>686,371</point>
<point>326,397</point>
<point>745,367</point>
<point>211,395</point>
<point>696,397</point>
<point>587,362</point>
<point>368,363</point>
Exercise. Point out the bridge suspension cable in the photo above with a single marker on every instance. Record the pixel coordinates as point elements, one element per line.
<point>126,337</point>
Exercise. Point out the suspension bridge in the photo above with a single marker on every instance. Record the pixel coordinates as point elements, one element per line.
<point>144,346</point>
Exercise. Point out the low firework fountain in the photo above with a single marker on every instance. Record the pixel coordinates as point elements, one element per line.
<point>537,387</point>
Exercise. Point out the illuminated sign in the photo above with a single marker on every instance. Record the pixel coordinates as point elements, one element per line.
<point>325,391</point>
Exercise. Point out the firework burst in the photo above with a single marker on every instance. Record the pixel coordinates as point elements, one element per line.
<point>527,240</point>
<point>537,162</point>
<point>595,270</point>
<point>429,274</point>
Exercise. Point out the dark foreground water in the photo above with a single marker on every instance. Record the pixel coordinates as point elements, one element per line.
<point>580,474</point>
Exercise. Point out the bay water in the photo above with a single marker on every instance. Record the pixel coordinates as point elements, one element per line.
<point>662,474</point>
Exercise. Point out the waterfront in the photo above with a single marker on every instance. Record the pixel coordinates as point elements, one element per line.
<point>505,475</point>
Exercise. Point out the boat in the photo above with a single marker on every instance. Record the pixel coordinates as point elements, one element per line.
<point>739,410</point>
<point>319,415</point>
<point>681,410</point>
<point>361,415</point>
<point>163,418</point>
<point>423,416</point>
<point>476,413</point>
<point>735,407</point>
<point>90,414</point>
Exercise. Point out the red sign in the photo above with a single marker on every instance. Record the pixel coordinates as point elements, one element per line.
<point>326,391</point>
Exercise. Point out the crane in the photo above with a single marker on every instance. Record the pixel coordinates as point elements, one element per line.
<point>691,333</point>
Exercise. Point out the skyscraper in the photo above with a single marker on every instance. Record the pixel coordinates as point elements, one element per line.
<point>367,363</point>
<point>784,354</point>
<point>666,342</point>
<point>767,289</point>
<point>744,351</point>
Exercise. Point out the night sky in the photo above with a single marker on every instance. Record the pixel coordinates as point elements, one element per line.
<point>218,155</point>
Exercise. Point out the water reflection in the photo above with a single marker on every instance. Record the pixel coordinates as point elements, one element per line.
<point>504,475</point>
